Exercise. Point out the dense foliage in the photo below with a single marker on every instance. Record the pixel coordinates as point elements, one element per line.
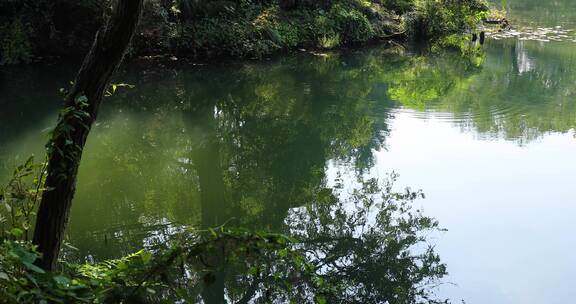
<point>167,275</point>
<point>243,28</point>
<point>19,200</point>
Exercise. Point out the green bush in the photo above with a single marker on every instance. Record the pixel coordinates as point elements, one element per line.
<point>352,25</point>
<point>19,200</point>
<point>150,277</point>
<point>433,19</point>
<point>22,282</point>
<point>398,6</point>
<point>215,37</point>
<point>259,28</point>
<point>326,32</point>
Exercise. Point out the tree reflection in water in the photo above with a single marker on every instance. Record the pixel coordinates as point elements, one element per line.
<point>365,246</point>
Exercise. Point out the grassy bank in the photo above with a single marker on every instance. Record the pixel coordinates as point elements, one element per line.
<point>33,30</point>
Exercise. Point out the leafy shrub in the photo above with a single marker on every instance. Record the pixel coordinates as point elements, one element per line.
<point>433,19</point>
<point>398,6</point>
<point>352,25</point>
<point>222,37</point>
<point>326,32</point>
<point>257,28</point>
<point>23,282</point>
<point>289,32</point>
<point>148,277</point>
<point>19,200</point>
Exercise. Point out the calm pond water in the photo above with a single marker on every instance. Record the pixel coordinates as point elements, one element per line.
<point>491,145</point>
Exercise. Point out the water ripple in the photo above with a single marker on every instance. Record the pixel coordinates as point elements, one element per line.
<point>464,116</point>
<point>541,34</point>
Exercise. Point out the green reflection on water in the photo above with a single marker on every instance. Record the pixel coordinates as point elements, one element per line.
<point>541,13</point>
<point>215,144</point>
<point>521,91</point>
<point>204,145</point>
<point>244,143</point>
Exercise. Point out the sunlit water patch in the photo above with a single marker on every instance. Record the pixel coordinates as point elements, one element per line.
<point>508,208</point>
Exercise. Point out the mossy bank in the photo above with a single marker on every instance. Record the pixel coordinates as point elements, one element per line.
<point>32,30</point>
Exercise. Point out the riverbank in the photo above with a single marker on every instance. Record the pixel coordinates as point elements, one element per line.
<point>239,29</point>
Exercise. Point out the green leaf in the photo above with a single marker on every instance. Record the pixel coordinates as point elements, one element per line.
<point>3,276</point>
<point>17,232</point>
<point>146,257</point>
<point>33,267</point>
<point>122,266</point>
<point>61,280</point>
<point>321,300</point>
<point>82,99</point>
<point>23,254</point>
<point>253,270</point>
<point>29,162</point>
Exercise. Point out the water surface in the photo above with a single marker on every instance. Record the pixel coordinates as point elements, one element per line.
<point>492,146</point>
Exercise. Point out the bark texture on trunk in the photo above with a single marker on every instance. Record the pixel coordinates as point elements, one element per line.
<point>74,123</point>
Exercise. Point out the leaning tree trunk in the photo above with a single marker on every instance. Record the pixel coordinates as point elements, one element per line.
<point>74,124</point>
